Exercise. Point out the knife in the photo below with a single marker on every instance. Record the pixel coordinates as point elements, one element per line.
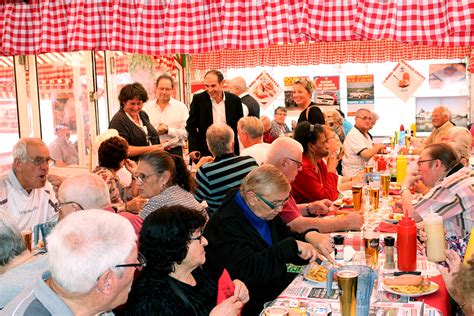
<point>398,273</point>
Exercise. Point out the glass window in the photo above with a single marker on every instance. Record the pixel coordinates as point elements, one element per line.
<point>8,112</point>
<point>62,87</point>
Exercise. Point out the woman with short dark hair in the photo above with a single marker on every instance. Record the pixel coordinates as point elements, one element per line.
<point>133,124</point>
<point>173,282</point>
<point>113,153</point>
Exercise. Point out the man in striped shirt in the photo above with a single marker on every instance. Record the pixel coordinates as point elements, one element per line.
<point>225,171</point>
<point>452,189</point>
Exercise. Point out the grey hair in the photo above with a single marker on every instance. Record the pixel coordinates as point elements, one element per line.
<point>239,84</point>
<point>444,110</point>
<point>251,126</point>
<point>220,139</point>
<point>11,243</point>
<point>363,109</point>
<point>265,179</point>
<point>20,150</point>
<point>86,244</point>
<point>336,116</point>
<point>88,189</point>
<point>282,147</point>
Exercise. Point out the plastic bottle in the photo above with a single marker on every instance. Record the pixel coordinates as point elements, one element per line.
<point>434,228</point>
<point>413,129</point>
<point>402,128</point>
<point>401,166</point>
<point>381,164</point>
<point>406,241</point>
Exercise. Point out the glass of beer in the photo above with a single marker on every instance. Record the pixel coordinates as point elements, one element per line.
<point>385,184</point>
<point>357,196</point>
<point>371,243</point>
<point>368,170</point>
<point>347,283</point>
<point>27,236</point>
<point>374,194</point>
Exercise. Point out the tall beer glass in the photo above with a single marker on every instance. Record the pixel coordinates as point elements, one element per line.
<point>347,282</point>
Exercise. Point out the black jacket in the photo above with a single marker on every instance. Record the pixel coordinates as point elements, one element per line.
<point>236,245</point>
<point>200,118</point>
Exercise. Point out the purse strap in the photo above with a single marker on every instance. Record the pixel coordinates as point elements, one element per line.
<point>181,295</point>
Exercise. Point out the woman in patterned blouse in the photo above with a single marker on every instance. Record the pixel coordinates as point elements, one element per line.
<point>165,180</point>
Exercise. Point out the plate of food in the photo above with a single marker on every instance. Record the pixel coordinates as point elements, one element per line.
<point>392,217</point>
<point>409,285</point>
<point>317,275</point>
<point>344,202</point>
<point>346,193</point>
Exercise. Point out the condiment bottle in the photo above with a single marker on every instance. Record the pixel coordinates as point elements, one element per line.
<point>402,128</point>
<point>435,245</point>
<point>401,166</point>
<point>413,129</point>
<point>389,243</point>
<point>338,247</point>
<point>406,242</point>
<point>381,164</point>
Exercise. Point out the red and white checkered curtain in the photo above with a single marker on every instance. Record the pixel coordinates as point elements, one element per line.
<point>198,26</point>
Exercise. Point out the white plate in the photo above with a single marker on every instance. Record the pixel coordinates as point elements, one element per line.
<point>347,193</point>
<point>388,289</point>
<point>392,220</point>
<point>320,285</point>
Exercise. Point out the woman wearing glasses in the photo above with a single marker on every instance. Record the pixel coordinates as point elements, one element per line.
<point>165,180</point>
<point>173,282</point>
<point>113,153</point>
<point>302,92</point>
<point>133,124</point>
<point>248,238</point>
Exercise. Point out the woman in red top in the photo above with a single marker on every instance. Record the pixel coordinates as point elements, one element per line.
<point>317,180</point>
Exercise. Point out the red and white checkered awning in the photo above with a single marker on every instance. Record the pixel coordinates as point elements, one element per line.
<point>201,26</point>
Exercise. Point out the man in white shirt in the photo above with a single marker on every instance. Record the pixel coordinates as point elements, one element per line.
<point>24,190</point>
<point>358,145</point>
<point>167,114</point>
<point>250,130</point>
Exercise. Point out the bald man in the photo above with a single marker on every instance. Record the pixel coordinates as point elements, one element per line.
<point>238,86</point>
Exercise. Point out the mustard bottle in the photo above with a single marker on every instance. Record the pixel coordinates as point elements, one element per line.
<point>401,166</point>
<point>413,129</point>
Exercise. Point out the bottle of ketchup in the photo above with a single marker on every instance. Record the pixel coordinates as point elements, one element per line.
<point>406,241</point>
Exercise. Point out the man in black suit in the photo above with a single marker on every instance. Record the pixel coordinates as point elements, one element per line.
<point>238,86</point>
<point>212,106</point>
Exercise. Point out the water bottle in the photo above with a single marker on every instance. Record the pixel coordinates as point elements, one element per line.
<point>406,241</point>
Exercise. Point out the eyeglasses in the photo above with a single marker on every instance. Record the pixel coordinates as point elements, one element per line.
<point>197,238</point>
<point>365,118</point>
<point>271,205</point>
<point>38,161</point>
<point>419,162</point>
<point>59,205</point>
<point>142,177</point>
<point>139,265</point>
<point>299,164</point>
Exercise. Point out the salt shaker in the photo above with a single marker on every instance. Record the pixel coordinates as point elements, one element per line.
<point>389,243</point>
<point>339,247</point>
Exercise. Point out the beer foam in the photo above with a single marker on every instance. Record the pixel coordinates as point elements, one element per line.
<point>347,274</point>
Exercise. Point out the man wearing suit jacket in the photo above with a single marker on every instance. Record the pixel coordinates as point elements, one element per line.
<point>212,106</point>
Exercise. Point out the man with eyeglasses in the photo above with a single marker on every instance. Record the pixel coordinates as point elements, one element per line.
<point>93,257</point>
<point>358,145</point>
<point>452,189</point>
<point>24,191</point>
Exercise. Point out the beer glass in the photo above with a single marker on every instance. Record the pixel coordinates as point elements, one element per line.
<point>374,196</point>
<point>385,183</point>
<point>27,236</point>
<point>357,196</point>
<point>371,243</point>
<point>347,283</point>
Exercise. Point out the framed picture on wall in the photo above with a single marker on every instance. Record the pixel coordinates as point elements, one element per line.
<point>425,107</point>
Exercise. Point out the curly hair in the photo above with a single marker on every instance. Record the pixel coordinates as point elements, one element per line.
<point>464,279</point>
<point>306,133</point>
<point>165,236</point>
<point>112,152</point>
<point>132,91</point>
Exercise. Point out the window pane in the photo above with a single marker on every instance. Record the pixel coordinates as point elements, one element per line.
<point>9,132</point>
<point>63,105</point>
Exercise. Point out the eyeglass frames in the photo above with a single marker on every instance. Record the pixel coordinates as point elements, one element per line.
<point>38,161</point>
<point>419,162</point>
<point>270,204</point>
<point>198,238</point>
<point>142,177</point>
<point>299,164</point>
<point>59,205</point>
<point>139,265</point>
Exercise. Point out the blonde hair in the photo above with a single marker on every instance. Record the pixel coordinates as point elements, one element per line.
<point>265,179</point>
<point>306,83</point>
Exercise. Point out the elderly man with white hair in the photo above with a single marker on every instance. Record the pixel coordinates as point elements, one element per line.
<point>92,259</point>
<point>225,171</point>
<point>239,87</point>
<point>250,130</point>
<point>89,191</point>
<point>24,191</point>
